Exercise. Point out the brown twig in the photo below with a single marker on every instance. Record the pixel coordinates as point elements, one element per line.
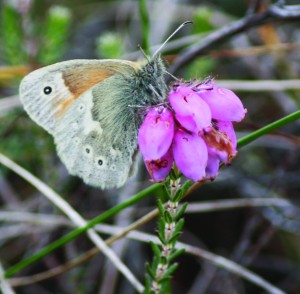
<point>273,13</point>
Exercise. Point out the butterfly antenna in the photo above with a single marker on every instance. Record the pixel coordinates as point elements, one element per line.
<point>172,76</point>
<point>144,53</point>
<point>167,40</point>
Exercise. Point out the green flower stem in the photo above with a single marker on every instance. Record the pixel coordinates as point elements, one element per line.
<point>269,128</point>
<point>75,233</point>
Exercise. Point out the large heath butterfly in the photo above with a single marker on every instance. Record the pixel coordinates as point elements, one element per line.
<point>90,108</point>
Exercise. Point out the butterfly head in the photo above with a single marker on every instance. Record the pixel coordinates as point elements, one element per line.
<point>152,79</point>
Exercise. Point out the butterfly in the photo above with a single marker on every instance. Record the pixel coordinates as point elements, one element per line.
<point>88,106</point>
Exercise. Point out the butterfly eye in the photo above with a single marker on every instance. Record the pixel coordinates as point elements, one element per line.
<point>150,68</point>
<point>47,90</point>
<point>100,162</point>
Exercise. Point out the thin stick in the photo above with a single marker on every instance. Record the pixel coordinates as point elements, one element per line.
<point>272,14</point>
<point>74,216</point>
<point>233,267</point>
<point>259,86</point>
<point>210,206</point>
<point>4,285</point>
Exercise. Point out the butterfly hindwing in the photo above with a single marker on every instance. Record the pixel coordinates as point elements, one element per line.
<point>95,144</point>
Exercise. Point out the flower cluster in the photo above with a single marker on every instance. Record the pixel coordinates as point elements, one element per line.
<point>194,129</point>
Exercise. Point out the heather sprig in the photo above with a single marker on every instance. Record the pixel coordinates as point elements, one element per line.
<point>193,133</point>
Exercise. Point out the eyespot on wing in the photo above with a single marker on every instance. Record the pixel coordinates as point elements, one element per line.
<point>48,92</point>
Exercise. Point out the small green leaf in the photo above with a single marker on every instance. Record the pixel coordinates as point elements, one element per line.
<point>161,226</point>
<point>167,191</point>
<point>147,284</point>
<point>181,211</point>
<point>168,217</point>
<point>183,190</point>
<point>161,238</point>
<point>163,280</point>
<point>165,286</point>
<point>178,196</point>
<point>150,272</point>
<point>155,262</point>
<point>160,207</point>
<point>155,248</point>
<point>179,226</point>
<point>174,238</point>
<point>176,254</point>
<point>187,184</point>
<point>163,260</point>
<point>170,271</point>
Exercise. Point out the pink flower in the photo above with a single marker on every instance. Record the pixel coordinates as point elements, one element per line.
<point>195,132</point>
<point>156,133</point>
<point>155,139</point>
<point>224,104</point>
<point>191,112</point>
<point>190,154</point>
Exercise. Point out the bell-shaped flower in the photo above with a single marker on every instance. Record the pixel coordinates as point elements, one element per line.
<point>191,112</point>
<point>224,104</point>
<point>190,154</point>
<point>156,133</point>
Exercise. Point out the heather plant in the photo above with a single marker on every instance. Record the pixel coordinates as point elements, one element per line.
<point>209,145</point>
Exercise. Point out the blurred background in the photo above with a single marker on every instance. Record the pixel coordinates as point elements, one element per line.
<point>263,239</point>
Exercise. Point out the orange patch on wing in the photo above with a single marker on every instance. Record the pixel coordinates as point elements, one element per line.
<point>81,78</point>
<point>79,82</point>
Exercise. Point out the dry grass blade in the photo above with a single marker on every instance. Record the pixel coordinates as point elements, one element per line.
<point>74,216</point>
